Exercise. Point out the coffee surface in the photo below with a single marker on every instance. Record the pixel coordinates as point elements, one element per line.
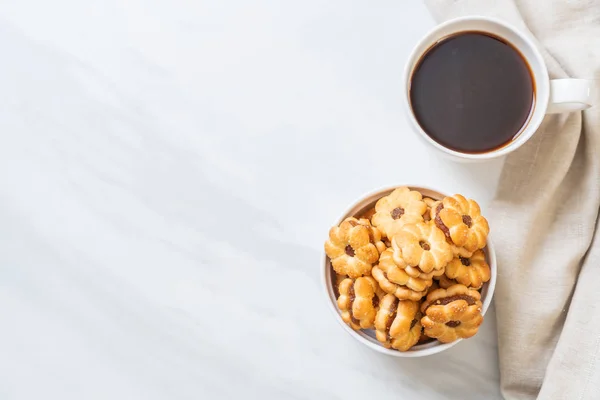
<point>472,92</point>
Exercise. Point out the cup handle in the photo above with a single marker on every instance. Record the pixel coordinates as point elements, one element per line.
<point>567,95</point>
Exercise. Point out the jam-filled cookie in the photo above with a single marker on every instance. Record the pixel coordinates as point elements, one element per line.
<point>397,324</point>
<point>359,301</point>
<point>354,247</point>
<point>451,314</point>
<point>457,250</point>
<point>402,206</point>
<point>394,274</point>
<point>461,221</point>
<point>471,271</point>
<point>423,245</point>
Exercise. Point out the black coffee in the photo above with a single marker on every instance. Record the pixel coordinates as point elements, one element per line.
<point>472,92</point>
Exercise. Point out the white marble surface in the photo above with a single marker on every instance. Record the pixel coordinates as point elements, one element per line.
<point>169,170</point>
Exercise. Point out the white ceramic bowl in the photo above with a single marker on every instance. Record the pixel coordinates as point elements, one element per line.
<point>367,337</point>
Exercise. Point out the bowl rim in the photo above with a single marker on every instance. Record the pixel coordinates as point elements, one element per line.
<point>427,348</point>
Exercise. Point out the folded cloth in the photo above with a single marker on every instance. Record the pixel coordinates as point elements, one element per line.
<point>544,215</point>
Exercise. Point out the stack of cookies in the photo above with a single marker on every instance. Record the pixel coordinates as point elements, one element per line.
<point>411,268</point>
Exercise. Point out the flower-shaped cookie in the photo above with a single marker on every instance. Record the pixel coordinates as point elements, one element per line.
<point>452,313</point>
<point>354,247</point>
<point>398,323</point>
<point>432,210</point>
<point>359,301</point>
<point>471,271</point>
<point>402,206</point>
<point>393,275</point>
<point>455,292</point>
<point>423,245</point>
<point>461,221</point>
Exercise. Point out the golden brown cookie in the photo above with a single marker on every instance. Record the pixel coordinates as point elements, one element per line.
<point>423,245</point>
<point>461,221</point>
<point>394,272</point>
<point>451,314</point>
<point>471,271</point>
<point>359,301</point>
<point>454,292</point>
<point>397,324</point>
<point>457,250</point>
<point>402,206</point>
<point>353,247</point>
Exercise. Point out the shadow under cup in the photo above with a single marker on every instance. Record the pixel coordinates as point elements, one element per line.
<point>472,91</point>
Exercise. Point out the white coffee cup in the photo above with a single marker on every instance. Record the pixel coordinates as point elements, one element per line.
<point>551,96</point>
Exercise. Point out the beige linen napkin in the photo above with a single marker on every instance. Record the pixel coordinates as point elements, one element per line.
<point>544,215</point>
